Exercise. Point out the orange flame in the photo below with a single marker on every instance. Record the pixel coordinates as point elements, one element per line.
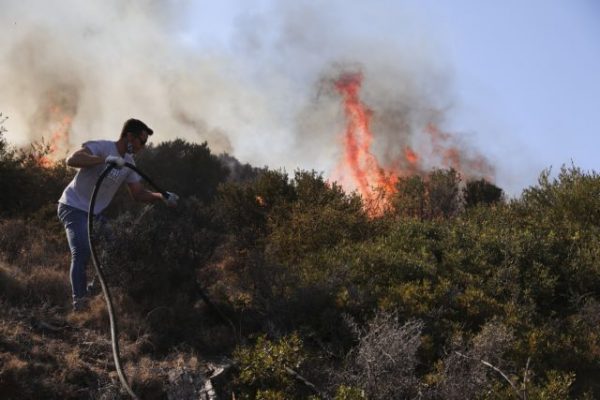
<point>368,176</point>
<point>411,156</point>
<point>360,169</point>
<point>451,157</point>
<point>59,124</point>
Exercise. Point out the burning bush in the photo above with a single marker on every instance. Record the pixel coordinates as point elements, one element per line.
<point>29,184</point>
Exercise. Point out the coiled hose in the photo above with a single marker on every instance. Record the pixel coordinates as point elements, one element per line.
<point>111,314</point>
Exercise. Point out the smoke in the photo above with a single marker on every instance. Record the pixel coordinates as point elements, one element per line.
<point>103,63</point>
<point>407,86</point>
<point>266,97</point>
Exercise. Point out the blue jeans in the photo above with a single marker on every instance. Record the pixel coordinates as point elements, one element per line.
<point>75,222</point>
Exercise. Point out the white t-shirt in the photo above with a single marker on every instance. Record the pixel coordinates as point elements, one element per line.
<point>79,192</point>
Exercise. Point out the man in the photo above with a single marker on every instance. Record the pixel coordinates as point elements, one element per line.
<point>73,205</point>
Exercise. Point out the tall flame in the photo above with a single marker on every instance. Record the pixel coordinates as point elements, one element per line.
<point>368,176</point>
<point>360,169</point>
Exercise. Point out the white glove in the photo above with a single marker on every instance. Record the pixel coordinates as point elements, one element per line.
<point>118,161</point>
<point>170,199</point>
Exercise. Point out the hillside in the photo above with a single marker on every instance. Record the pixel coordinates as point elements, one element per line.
<point>287,287</point>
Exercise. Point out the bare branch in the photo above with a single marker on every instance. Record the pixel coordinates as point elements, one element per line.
<point>498,370</point>
<point>306,382</point>
<point>526,378</point>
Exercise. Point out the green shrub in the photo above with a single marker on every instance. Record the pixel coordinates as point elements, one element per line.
<point>263,367</point>
<point>185,168</point>
<point>482,192</point>
<point>349,393</point>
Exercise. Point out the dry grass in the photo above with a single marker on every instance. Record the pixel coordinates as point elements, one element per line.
<point>49,352</point>
<point>10,286</point>
<point>13,374</point>
<point>45,285</point>
<point>29,246</point>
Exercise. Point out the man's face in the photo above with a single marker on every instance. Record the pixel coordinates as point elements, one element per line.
<point>138,141</point>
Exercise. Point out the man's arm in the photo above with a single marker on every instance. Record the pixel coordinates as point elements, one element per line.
<point>140,193</point>
<point>84,158</point>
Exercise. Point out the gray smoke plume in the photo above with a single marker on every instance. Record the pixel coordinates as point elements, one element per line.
<point>265,96</point>
<point>102,63</point>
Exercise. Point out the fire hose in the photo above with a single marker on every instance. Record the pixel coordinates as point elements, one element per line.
<point>111,313</point>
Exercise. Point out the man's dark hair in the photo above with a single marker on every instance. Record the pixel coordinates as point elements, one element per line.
<point>136,127</point>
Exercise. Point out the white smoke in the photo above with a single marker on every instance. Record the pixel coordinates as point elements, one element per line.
<point>109,61</point>
<point>267,98</point>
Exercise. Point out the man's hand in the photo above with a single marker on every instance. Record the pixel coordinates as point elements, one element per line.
<point>170,199</point>
<point>119,162</point>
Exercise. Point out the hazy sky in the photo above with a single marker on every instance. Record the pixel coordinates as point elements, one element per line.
<point>513,81</point>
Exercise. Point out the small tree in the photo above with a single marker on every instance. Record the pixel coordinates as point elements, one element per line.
<point>411,198</point>
<point>433,196</point>
<point>444,194</point>
<point>481,192</point>
<point>188,169</point>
